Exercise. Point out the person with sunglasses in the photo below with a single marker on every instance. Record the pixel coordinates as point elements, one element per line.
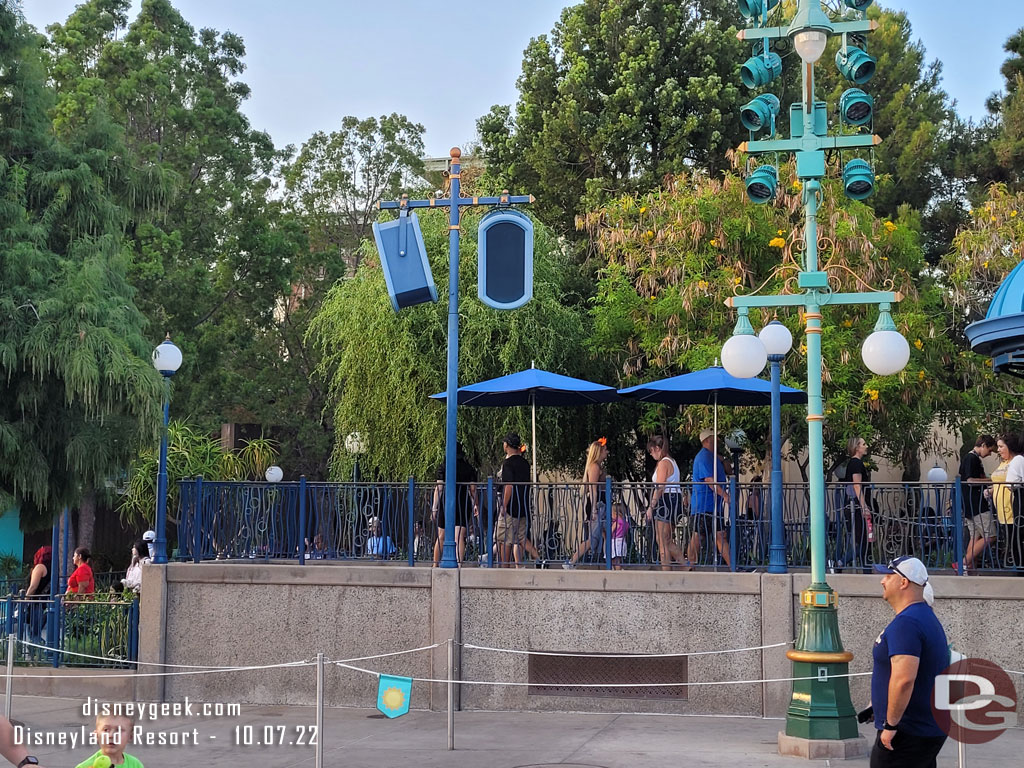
<point>908,655</point>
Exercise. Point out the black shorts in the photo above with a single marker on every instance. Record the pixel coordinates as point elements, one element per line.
<point>670,506</point>
<point>907,751</point>
<point>704,523</point>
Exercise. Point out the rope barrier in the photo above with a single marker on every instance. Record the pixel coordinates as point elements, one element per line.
<point>286,665</point>
<point>125,661</point>
<point>625,655</point>
<point>601,685</point>
<point>386,655</point>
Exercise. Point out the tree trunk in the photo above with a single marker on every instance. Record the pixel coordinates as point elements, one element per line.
<point>86,518</point>
<point>911,466</point>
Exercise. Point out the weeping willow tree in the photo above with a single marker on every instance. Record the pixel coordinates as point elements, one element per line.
<point>672,258</point>
<point>382,366</point>
<point>77,392</point>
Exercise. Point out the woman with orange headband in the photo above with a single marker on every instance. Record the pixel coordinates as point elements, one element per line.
<point>593,500</point>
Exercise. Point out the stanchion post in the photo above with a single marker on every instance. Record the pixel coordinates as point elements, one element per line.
<point>961,750</point>
<point>451,694</point>
<point>12,648</point>
<point>319,760</point>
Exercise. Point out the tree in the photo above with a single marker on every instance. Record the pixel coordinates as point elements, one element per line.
<point>382,367</point>
<point>622,93</point>
<point>221,263</point>
<point>77,392</point>
<point>337,178</point>
<point>673,257</point>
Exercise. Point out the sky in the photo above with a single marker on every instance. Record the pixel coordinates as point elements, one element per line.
<point>311,62</point>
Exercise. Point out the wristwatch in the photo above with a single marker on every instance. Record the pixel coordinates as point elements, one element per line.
<point>889,726</point>
<point>28,760</point>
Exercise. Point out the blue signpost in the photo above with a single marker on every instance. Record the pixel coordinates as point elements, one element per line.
<point>454,203</point>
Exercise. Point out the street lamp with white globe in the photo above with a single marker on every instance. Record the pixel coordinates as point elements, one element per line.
<point>167,360</point>
<point>355,444</point>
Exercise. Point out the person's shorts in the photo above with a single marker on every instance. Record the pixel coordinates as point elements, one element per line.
<point>510,530</point>
<point>704,523</point>
<point>619,547</point>
<point>597,528</point>
<point>670,507</point>
<point>981,526</point>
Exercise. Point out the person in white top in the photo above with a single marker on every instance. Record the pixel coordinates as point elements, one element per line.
<point>1013,546</point>
<point>666,504</point>
<point>133,578</point>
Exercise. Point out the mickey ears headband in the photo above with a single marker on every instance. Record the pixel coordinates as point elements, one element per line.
<point>602,441</point>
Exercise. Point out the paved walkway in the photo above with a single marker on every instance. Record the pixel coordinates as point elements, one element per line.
<point>357,738</point>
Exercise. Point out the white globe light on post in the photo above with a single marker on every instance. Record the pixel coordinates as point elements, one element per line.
<point>355,445</point>
<point>937,474</point>
<point>809,32</point>
<point>167,360</point>
<point>776,338</point>
<point>274,474</point>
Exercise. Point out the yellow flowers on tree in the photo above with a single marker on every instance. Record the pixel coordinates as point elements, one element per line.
<point>660,306</point>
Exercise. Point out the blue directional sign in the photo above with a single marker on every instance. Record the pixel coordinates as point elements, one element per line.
<point>505,259</point>
<point>403,257</point>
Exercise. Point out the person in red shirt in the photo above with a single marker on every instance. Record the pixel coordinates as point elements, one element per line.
<point>81,582</point>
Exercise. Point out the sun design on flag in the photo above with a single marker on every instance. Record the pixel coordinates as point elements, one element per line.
<point>393,699</point>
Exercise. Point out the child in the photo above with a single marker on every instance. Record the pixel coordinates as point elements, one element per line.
<point>112,733</point>
<point>620,527</point>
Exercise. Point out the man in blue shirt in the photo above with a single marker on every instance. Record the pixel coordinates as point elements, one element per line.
<point>708,485</point>
<point>908,655</point>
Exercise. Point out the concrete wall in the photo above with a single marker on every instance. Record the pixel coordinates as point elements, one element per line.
<point>242,614</point>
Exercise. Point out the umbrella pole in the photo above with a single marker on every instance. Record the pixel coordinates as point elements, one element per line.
<point>714,495</point>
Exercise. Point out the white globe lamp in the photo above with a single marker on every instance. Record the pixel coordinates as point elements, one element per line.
<point>810,44</point>
<point>744,356</point>
<point>937,474</point>
<point>167,357</point>
<point>776,338</point>
<point>885,352</point>
<point>274,474</point>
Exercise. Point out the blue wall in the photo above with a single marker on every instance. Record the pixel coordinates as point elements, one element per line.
<point>12,540</point>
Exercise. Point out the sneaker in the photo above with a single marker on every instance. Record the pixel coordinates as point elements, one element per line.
<point>540,563</point>
<point>956,568</point>
<point>568,566</point>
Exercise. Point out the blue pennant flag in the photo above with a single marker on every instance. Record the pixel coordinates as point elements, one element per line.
<point>393,695</point>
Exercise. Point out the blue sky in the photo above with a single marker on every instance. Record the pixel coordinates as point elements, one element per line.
<point>311,62</point>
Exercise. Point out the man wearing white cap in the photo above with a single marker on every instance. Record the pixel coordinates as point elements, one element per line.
<point>708,483</point>
<point>908,655</point>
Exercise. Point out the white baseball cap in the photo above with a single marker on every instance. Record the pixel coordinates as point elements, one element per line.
<point>706,433</point>
<point>911,569</point>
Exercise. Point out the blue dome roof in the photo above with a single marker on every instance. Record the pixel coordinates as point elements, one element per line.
<point>1009,298</point>
<point>1002,330</point>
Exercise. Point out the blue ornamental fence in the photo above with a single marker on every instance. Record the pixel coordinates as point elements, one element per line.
<point>99,630</point>
<point>304,521</point>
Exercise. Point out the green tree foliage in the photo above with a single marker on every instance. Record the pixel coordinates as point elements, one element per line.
<point>77,391</point>
<point>223,265</point>
<point>338,177</point>
<point>674,256</point>
<point>620,94</point>
<point>382,367</point>
<point>191,453</point>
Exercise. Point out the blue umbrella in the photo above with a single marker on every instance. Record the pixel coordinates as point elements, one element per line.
<point>708,387</point>
<point>533,387</point>
<point>711,386</point>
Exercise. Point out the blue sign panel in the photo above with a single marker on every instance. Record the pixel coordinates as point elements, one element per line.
<point>505,256</point>
<point>403,257</point>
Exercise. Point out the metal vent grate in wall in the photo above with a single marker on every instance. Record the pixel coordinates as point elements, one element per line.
<point>568,676</point>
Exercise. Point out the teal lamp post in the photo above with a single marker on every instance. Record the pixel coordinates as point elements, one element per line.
<point>820,720</point>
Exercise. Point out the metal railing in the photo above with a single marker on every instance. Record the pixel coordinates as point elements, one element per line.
<point>74,631</point>
<point>394,522</point>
